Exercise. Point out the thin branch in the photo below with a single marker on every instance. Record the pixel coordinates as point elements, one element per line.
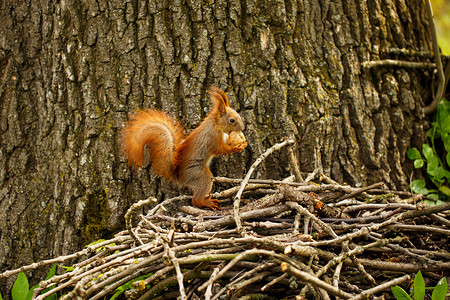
<point>129,215</point>
<point>293,161</point>
<point>238,258</point>
<point>437,57</point>
<point>259,181</point>
<point>314,280</point>
<point>208,292</point>
<point>59,259</point>
<point>237,198</point>
<point>176,265</point>
<point>420,228</point>
<point>408,52</point>
<point>426,211</point>
<point>365,294</point>
<point>273,282</point>
<point>360,191</point>
<point>397,63</point>
<point>229,219</point>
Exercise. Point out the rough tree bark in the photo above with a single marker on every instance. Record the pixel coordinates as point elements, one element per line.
<point>71,71</point>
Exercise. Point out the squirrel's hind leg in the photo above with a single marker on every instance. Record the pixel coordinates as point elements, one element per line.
<point>202,196</point>
<point>207,202</point>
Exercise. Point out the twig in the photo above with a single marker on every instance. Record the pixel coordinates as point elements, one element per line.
<point>397,63</point>
<point>420,228</point>
<point>129,215</point>
<point>77,278</point>
<point>351,235</point>
<point>255,278</point>
<point>305,212</point>
<point>158,274</point>
<point>336,274</point>
<point>114,282</point>
<point>353,252</point>
<point>395,247</point>
<point>228,220</point>
<point>176,265</point>
<point>314,280</point>
<point>166,202</point>
<point>237,198</point>
<point>381,287</point>
<point>259,181</point>
<point>293,161</point>
<point>426,211</point>
<point>361,190</point>
<point>59,259</point>
<point>386,206</point>
<point>239,257</point>
<point>273,282</point>
<point>363,220</point>
<point>440,219</point>
<point>437,57</point>
<point>208,292</point>
<point>409,52</point>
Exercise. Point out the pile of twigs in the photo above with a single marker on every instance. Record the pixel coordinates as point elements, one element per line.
<point>286,240</point>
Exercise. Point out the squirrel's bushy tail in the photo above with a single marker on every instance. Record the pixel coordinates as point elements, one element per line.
<point>160,133</point>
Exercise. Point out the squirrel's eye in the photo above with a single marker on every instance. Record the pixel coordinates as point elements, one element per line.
<point>231,120</point>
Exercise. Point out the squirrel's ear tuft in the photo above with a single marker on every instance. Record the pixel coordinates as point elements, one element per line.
<point>219,99</point>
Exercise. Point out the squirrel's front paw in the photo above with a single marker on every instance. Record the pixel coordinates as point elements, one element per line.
<point>240,147</point>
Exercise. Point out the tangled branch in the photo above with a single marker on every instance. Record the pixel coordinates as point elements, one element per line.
<point>315,240</point>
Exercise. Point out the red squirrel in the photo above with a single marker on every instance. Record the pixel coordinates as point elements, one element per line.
<point>184,160</point>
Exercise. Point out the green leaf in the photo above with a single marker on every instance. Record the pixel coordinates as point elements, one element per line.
<point>52,297</point>
<point>413,154</point>
<point>51,272</point>
<point>447,174</point>
<point>434,196</point>
<point>30,293</point>
<point>434,132</point>
<point>419,287</point>
<point>445,190</point>
<point>427,151</point>
<point>447,158</point>
<point>117,294</point>
<point>128,285</point>
<point>418,187</point>
<point>68,269</point>
<point>440,290</point>
<point>418,163</point>
<point>400,293</point>
<point>20,288</point>
<point>443,116</point>
<point>433,164</point>
<point>430,202</point>
<point>418,183</point>
<point>440,172</point>
<point>439,202</point>
<point>446,140</point>
<point>437,179</point>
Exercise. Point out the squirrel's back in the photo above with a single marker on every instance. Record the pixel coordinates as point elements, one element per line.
<point>161,135</point>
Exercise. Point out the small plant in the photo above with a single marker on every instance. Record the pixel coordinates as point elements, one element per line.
<point>21,288</point>
<point>439,291</point>
<point>130,285</point>
<point>437,163</point>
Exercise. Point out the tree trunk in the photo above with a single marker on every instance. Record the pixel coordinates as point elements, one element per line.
<point>71,71</point>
